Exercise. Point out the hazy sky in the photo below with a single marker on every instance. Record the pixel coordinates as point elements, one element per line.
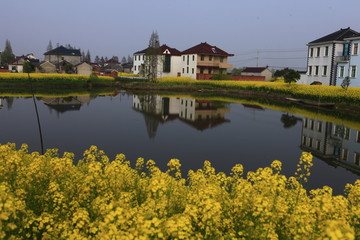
<point>277,29</point>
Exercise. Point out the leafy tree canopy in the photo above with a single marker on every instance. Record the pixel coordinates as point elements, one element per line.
<point>289,75</point>
<point>7,56</point>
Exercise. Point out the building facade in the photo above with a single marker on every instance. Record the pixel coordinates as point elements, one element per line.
<point>258,71</point>
<point>202,61</point>
<point>326,55</point>
<point>349,65</point>
<point>61,54</point>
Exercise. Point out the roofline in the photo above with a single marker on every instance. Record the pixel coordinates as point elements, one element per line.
<point>352,38</point>
<point>322,43</point>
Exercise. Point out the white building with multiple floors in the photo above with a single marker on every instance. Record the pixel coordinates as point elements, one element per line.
<point>349,66</point>
<point>325,55</point>
<point>199,62</point>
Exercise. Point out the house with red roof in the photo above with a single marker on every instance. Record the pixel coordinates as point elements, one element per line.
<point>257,71</point>
<point>169,63</point>
<point>203,61</point>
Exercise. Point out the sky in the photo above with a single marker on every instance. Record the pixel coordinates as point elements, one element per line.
<point>259,32</point>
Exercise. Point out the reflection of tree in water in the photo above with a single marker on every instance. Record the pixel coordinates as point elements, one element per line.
<point>288,121</point>
<point>148,105</point>
<point>9,102</point>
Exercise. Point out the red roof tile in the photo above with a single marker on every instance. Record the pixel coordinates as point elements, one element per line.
<point>254,69</point>
<point>205,48</point>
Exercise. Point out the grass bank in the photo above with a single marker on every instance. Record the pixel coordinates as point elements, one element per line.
<point>53,80</point>
<point>316,93</point>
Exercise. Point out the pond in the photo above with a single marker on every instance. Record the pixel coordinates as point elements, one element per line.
<point>192,130</point>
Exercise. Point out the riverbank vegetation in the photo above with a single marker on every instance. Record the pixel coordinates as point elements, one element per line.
<point>48,197</point>
<point>49,79</point>
<point>316,93</point>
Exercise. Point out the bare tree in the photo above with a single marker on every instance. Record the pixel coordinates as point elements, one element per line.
<point>152,58</point>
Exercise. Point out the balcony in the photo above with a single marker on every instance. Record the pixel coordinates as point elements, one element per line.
<point>213,64</point>
<point>342,58</point>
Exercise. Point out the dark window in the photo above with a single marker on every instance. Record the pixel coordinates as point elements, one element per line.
<point>326,51</point>
<point>318,52</point>
<point>202,57</point>
<point>167,63</point>
<point>210,58</point>
<point>346,49</point>
<point>221,59</point>
<point>188,59</point>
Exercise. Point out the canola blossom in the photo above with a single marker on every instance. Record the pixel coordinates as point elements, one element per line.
<point>49,197</point>
<point>319,93</point>
<point>48,76</point>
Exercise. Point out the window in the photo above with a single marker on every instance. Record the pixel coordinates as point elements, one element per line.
<point>210,58</point>
<point>201,70</point>
<point>310,70</point>
<point>341,71</point>
<point>353,71</point>
<point>312,124</point>
<point>324,70</point>
<point>202,57</point>
<point>316,70</point>
<point>304,140</point>
<point>210,70</point>
<point>183,70</point>
<point>193,57</point>
<point>192,70</point>
<point>305,123</point>
<point>135,58</point>
<point>318,52</point>
<point>167,63</point>
<point>310,142</point>
<point>326,53</point>
<point>357,158</point>
<point>319,126</point>
<point>187,69</point>
<point>188,59</point>
<point>318,145</point>
<point>355,48</point>
<point>346,133</point>
<point>311,52</point>
<point>221,59</point>
<point>344,154</point>
<point>183,58</point>
<point>358,137</point>
<point>135,67</point>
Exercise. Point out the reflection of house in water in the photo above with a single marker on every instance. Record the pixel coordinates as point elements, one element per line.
<point>61,105</point>
<point>1,104</point>
<point>201,114</point>
<point>336,144</point>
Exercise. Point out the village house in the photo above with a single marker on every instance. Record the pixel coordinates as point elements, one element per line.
<point>202,61</point>
<point>258,71</point>
<point>17,64</point>
<point>329,58</point>
<point>349,67</point>
<point>60,54</point>
<point>84,68</point>
<point>199,62</point>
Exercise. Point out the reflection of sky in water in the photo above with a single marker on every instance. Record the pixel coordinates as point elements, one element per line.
<point>225,134</point>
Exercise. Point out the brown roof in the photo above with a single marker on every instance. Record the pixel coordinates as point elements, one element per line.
<point>173,51</point>
<point>254,69</point>
<point>205,48</point>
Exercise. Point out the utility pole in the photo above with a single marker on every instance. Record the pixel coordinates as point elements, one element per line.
<point>257,58</point>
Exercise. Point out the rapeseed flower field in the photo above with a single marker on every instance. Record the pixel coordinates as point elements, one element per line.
<point>318,93</point>
<point>49,197</point>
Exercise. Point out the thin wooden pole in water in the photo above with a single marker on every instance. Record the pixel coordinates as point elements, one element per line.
<point>37,115</point>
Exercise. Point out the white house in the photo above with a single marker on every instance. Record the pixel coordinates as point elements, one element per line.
<point>324,55</point>
<point>349,66</point>
<point>168,64</point>
<point>138,61</point>
<point>203,61</point>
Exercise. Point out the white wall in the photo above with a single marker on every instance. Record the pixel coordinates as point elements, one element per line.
<point>189,68</point>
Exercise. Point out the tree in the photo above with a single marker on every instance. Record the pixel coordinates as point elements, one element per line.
<point>152,58</point>
<point>50,46</point>
<point>97,59</point>
<point>290,75</point>
<point>115,58</point>
<point>88,57</point>
<point>83,58</point>
<point>345,83</point>
<point>123,60</point>
<point>236,71</point>
<point>7,55</point>
<point>129,59</point>
<point>288,121</point>
<point>28,67</point>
